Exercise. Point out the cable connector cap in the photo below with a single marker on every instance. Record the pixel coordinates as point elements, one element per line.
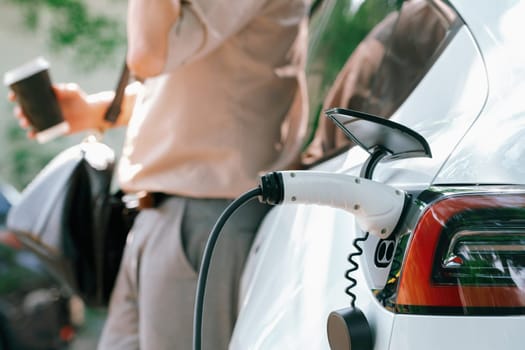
<point>272,188</point>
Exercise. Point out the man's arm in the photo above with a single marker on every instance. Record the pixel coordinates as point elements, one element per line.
<point>82,111</point>
<point>149,23</point>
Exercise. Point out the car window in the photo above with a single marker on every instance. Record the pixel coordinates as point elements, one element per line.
<point>369,56</point>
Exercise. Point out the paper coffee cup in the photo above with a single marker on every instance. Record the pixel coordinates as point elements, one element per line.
<point>32,85</point>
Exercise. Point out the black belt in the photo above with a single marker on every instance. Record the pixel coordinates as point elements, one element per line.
<point>144,200</point>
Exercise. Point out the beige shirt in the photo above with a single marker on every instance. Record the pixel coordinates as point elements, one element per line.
<point>209,125</point>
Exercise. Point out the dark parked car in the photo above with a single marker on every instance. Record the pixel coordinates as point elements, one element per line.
<point>37,310</point>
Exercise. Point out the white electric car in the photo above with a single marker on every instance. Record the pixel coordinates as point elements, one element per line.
<point>447,81</point>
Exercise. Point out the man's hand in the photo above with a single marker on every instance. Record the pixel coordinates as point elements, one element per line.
<point>78,109</point>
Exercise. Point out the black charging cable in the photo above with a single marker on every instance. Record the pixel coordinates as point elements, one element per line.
<point>206,259</point>
<point>350,325</point>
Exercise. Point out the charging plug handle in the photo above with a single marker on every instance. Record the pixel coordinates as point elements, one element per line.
<point>377,207</point>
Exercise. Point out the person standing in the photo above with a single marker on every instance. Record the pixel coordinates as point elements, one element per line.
<point>218,80</point>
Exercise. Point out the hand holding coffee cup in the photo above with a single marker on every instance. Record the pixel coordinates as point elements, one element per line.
<point>31,84</point>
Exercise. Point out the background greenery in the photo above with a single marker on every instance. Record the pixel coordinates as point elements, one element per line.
<point>91,38</point>
<point>87,36</point>
<point>84,40</point>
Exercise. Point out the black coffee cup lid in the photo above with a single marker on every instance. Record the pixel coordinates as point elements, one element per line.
<point>27,69</point>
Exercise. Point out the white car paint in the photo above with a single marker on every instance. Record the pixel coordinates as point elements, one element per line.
<point>295,272</point>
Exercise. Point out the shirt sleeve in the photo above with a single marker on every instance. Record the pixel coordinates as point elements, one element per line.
<point>203,25</point>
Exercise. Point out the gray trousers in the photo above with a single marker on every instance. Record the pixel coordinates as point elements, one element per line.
<point>152,304</point>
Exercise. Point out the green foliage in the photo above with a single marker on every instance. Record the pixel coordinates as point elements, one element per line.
<point>91,38</point>
<point>24,157</point>
<point>73,30</point>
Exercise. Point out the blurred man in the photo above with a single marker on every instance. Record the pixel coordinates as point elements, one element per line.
<point>219,79</point>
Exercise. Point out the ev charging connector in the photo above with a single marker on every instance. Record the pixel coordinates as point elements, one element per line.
<point>376,206</point>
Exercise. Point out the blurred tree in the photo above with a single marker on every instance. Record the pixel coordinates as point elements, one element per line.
<point>92,38</point>
<point>23,160</point>
<point>90,34</point>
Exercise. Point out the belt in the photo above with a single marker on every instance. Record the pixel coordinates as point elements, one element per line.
<point>144,200</point>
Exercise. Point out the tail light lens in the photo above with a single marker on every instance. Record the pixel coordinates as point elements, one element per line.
<point>67,333</point>
<point>466,256</point>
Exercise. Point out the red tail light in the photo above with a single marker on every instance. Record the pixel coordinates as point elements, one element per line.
<point>466,256</point>
<point>67,333</point>
<point>10,240</point>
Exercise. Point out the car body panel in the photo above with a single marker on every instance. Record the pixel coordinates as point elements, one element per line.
<point>485,156</point>
<point>295,272</point>
<point>438,332</point>
<point>297,262</point>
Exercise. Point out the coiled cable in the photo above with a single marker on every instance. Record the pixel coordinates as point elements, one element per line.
<point>355,267</point>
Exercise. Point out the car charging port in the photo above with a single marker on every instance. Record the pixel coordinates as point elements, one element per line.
<point>376,206</point>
